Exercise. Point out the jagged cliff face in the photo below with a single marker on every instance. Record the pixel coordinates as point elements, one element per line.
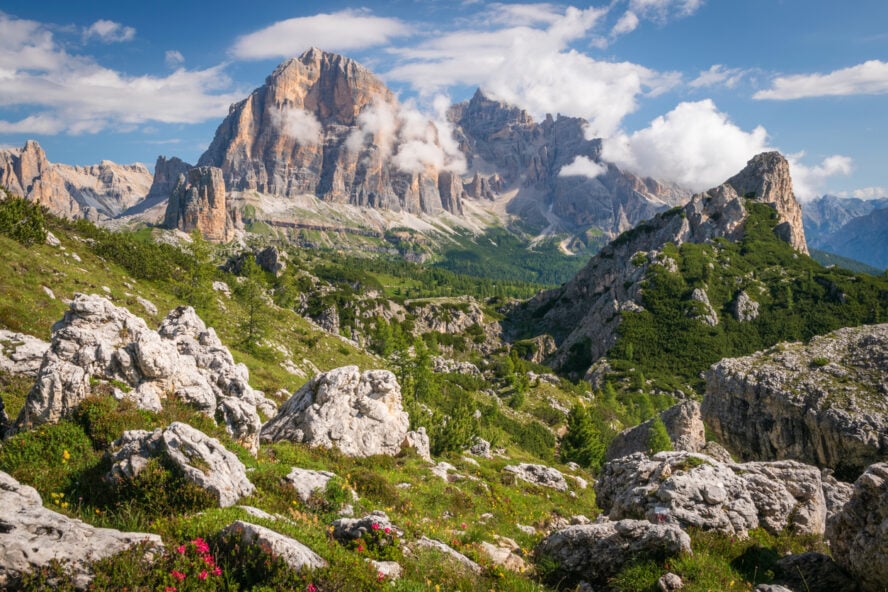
<point>323,125</point>
<point>197,202</point>
<point>506,149</point>
<point>586,311</point>
<point>105,189</point>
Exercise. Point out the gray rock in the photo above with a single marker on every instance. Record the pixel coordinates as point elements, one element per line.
<point>538,475</point>
<point>21,354</point>
<point>389,570</point>
<point>223,288</point>
<point>858,536</point>
<point>294,553</point>
<point>52,240</point>
<point>149,306</point>
<point>358,413</point>
<point>835,492</point>
<point>696,490</point>
<point>744,308</point>
<point>683,423</point>
<point>349,529</point>
<point>703,310</point>
<point>669,582</point>
<point>419,441</point>
<point>772,588</point>
<point>812,572</point>
<point>204,461</point>
<point>481,448</point>
<point>504,555</point>
<point>306,481</point>
<point>595,552</point>
<point>31,536</point>
<point>449,553</point>
<point>824,403</point>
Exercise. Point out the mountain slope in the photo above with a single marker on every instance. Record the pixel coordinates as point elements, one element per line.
<point>850,227</point>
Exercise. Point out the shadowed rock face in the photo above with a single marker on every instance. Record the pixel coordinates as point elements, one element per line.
<point>324,125</point>
<point>586,311</point>
<point>197,202</point>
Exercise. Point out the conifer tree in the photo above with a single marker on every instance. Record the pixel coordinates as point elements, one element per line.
<point>582,443</point>
<point>658,437</point>
<point>251,291</point>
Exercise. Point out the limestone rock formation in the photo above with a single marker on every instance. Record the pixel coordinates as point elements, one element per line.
<point>203,460</point>
<point>105,189</point>
<point>197,202</point>
<point>313,129</point>
<point>358,413</point>
<point>98,341</point>
<point>346,530</point>
<point>744,308</point>
<point>592,553</point>
<point>683,423</point>
<point>294,553</point>
<point>538,475</point>
<point>21,354</point>
<point>696,490</point>
<point>858,536</point>
<point>306,481</point>
<point>824,403</point>
<point>31,536</point>
<point>583,315</point>
<point>813,572</point>
<point>450,553</point>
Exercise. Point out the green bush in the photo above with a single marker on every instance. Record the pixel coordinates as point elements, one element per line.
<point>582,443</point>
<point>22,220</point>
<point>658,438</point>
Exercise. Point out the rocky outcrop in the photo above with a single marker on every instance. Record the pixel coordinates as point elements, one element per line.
<point>696,490</point>
<point>683,423</point>
<point>307,482</point>
<point>744,308</point>
<point>323,125</point>
<point>32,536</point>
<point>592,553</point>
<point>358,413</point>
<point>346,530</point>
<point>295,554</point>
<point>202,460</point>
<point>97,342</point>
<point>824,403</point>
<point>538,475</point>
<point>105,189</point>
<point>584,314</point>
<point>812,572</point>
<point>197,202</point>
<point>166,176</point>
<point>857,535</point>
<point>703,310</point>
<point>21,354</point>
<point>449,553</point>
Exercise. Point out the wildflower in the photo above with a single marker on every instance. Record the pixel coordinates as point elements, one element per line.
<point>380,576</point>
<point>463,525</point>
<point>387,530</point>
<point>217,571</point>
<point>311,588</point>
<point>202,575</point>
<point>169,589</point>
<point>178,575</point>
<point>375,526</point>
<point>180,549</point>
<point>360,548</point>
<point>201,545</point>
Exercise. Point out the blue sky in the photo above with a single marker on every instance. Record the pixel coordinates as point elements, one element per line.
<point>684,90</point>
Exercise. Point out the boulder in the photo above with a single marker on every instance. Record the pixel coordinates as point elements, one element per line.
<point>683,423</point>
<point>449,553</point>
<point>21,354</point>
<point>538,475</point>
<point>504,553</point>
<point>346,530</point>
<point>419,441</point>
<point>858,534</point>
<point>32,536</point>
<point>823,403</point>
<point>744,308</point>
<point>294,553</point>
<point>203,460</point>
<point>669,582</point>
<point>812,572</point>
<point>703,310</point>
<point>97,341</point>
<point>696,490</point>
<point>358,413</point>
<point>595,552</point>
<point>306,481</point>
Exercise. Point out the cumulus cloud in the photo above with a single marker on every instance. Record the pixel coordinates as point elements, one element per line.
<point>532,66</point>
<point>109,32</point>
<point>868,78</point>
<point>808,181</point>
<point>866,193</point>
<point>582,166</point>
<point>173,58</point>
<point>75,94</point>
<point>627,23</point>
<point>663,10</point>
<point>694,145</point>
<point>299,124</point>
<point>340,31</point>
<point>718,75</point>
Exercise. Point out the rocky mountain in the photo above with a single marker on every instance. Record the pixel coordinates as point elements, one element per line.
<point>102,190</point>
<point>850,227</point>
<point>197,202</point>
<point>583,315</point>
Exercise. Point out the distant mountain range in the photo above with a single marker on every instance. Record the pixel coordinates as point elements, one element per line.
<point>850,227</point>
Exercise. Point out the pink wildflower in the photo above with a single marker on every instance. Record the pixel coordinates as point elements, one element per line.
<point>201,545</point>
<point>387,530</point>
<point>463,525</point>
<point>375,526</point>
<point>180,549</point>
<point>360,548</point>
<point>311,588</point>
<point>169,589</point>
<point>202,575</point>
<point>217,571</point>
<point>178,575</point>
<point>380,576</point>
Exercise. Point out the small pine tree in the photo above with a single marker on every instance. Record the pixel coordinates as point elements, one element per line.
<point>582,443</point>
<point>197,290</point>
<point>21,219</point>
<point>658,437</point>
<point>254,324</point>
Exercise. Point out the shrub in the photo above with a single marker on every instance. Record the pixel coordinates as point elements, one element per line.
<point>658,437</point>
<point>582,443</point>
<point>21,219</point>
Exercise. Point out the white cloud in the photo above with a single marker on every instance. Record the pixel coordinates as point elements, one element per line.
<point>340,31</point>
<point>109,32</point>
<point>627,23</point>
<point>808,181</point>
<point>694,145</point>
<point>663,10</point>
<point>534,68</point>
<point>173,58</point>
<point>77,95</point>
<point>718,75</point>
<point>582,166</point>
<point>867,193</point>
<point>299,124</point>
<point>868,78</point>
